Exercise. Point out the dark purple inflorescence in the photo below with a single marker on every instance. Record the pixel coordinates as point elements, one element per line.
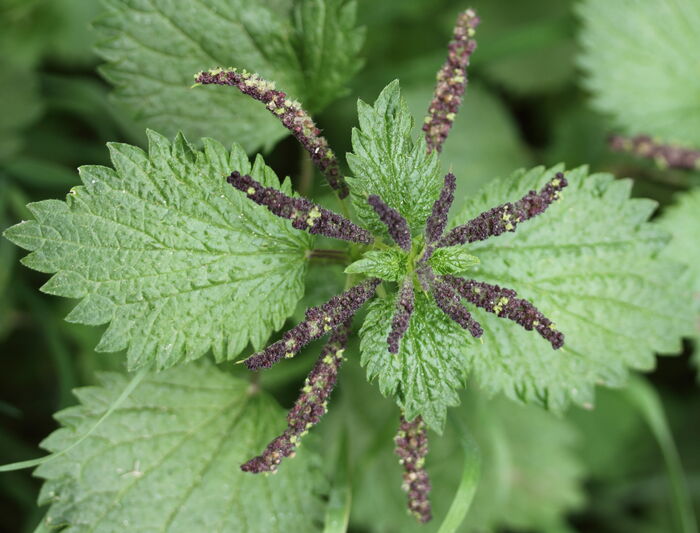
<point>665,155</point>
<point>506,217</point>
<point>289,112</point>
<point>318,322</point>
<point>451,82</point>
<point>412,447</point>
<point>396,225</point>
<point>438,217</point>
<point>450,303</point>
<point>505,303</point>
<point>311,405</point>
<point>304,214</point>
<point>402,315</point>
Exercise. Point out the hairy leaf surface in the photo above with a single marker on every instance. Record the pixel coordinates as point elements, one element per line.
<point>154,47</point>
<point>591,264</point>
<point>168,460</point>
<point>641,60</point>
<point>162,248</point>
<point>388,162</point>
<point>429,369</point>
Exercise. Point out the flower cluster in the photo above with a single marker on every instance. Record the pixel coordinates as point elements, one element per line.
<point>289,112</point>
<point>451,81</point>
<point>412,447</point>
<point>448,292</point>
<point>309,407</point>
<point>303,213</point>
<point>665,155</point>
<point>318,322</point>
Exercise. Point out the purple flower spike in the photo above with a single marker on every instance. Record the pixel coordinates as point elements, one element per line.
<point>412,447</point>
<point>505,303</point>
<point>290,113</point>
<point>311,405</point>
<point>396,224</point>
<point>451,82</point>
<point>438,218</point>
<point>506,217</point>
<point>402,315</point>
<point>665,155</point>
<point>304,214</point>
<point>449,302</point>
<point>319,321</point>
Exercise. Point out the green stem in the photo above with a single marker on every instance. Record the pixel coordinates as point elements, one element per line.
<point>643,396</point>
<point>340,498</point>
<point>306,172</point>
<point>471,472</point>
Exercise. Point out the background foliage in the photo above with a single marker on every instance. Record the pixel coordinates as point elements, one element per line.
<point>598,470</point>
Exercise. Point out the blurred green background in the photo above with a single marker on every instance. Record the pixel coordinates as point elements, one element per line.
<point>524,106</point>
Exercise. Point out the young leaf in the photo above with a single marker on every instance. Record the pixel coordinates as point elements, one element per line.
<point>169,459</point>
<point>178,261</point>
<point>590,264</point>
<point>153,49</point>
<point>389,265</point>
<point>452,260</point>
<point>426,373</point>
<point>640,60</point>
<point>389,163</point>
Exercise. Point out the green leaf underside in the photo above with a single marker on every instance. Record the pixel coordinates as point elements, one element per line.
<point>388,264</point>
<point>590,263</point>
<point>683,222</point>
<point>388,162</point>
<point>452,260</point>
<point>175,259</point>
<point>154,47</point>
<point>639,56</point>
<point>426,374</point>
<point>168,460</point>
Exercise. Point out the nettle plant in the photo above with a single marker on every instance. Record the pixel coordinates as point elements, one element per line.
<point>185,251</point>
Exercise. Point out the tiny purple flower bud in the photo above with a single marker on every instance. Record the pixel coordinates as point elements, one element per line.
<point>665,155</point>
<point>451,82</point>
<point>506,217</point>
<point>396,224</point>
<point>319,321</point>
<point>449,302</point>
<point>505,303</point>
<point>412,447</point>
<point>304,214</point>
<point>311,405</point>
<point>290,113</point>
<point>402,315</point>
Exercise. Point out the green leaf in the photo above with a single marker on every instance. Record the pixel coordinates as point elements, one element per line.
<point>386,161</point>
<point>683,222</point>
<point>328,43</point>
<point>169,460</point>
<point>426,374</point>
<point>166,251</point>
<point>641,65</point>
<point>591,264</point>
<point>387,264</point>
<point>452,260</point>
<point>154,48</point>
